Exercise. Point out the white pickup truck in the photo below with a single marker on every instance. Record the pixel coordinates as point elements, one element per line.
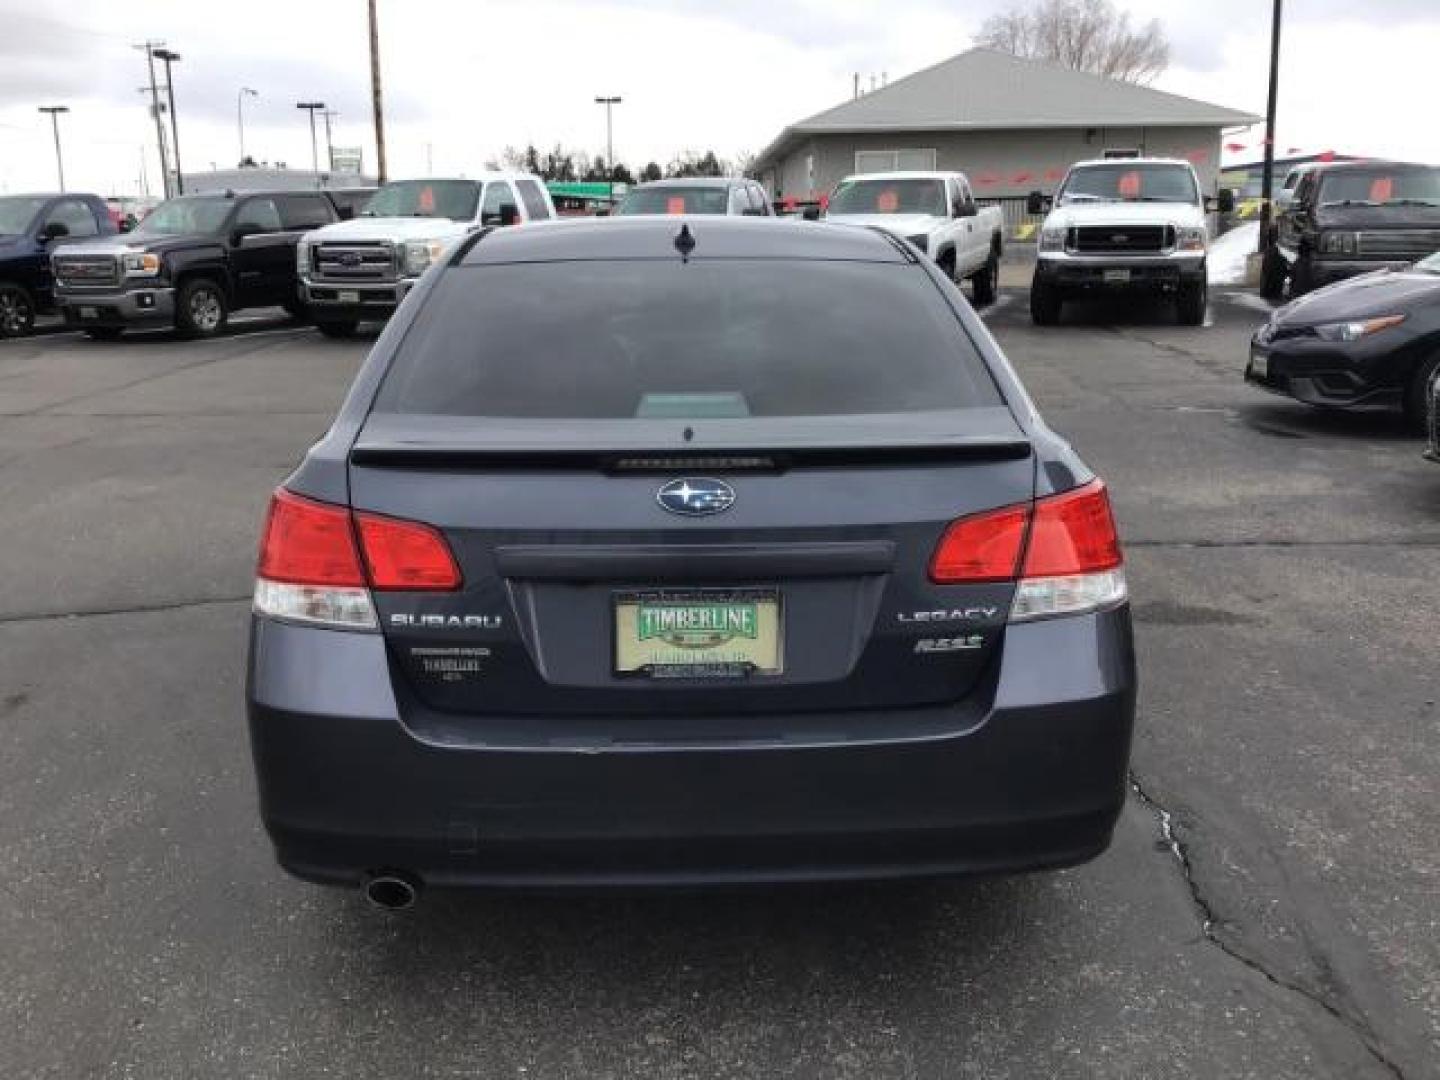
<point>1133,225</point>
<point>363,268</point>
<point>935,211</point>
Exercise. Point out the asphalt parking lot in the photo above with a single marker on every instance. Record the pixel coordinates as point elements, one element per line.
<point>1270,906</point>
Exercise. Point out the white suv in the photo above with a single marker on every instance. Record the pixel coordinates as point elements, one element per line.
<point>363,268</point>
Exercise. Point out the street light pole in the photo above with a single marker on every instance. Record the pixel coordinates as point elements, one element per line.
<point>55,111</point>
<point>329,145</point>
<point>169,57</point>
<point>609,103</point>
<point>1268,176</point>
<point>376,104</point>
<point>150,47</point>
<point>240,116</point>
<point>312,107</point>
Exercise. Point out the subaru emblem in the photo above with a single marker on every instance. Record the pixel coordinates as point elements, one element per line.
<point>695,497</point>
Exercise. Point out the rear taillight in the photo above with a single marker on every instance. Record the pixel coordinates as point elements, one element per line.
<point>1065,548</point>
<point>318,562</point>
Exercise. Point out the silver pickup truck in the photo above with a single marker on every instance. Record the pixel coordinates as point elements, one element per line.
<point>363,268</point>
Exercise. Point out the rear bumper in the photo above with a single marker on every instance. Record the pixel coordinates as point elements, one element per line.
<point>347,789</point>
<point>142,306</point>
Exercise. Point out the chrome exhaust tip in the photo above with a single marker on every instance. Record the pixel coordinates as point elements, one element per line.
<point>392,890</point>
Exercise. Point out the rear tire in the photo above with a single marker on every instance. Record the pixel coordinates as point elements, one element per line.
<point>1417,394</point>
<point>984,281</point>
<point>1045,304</point>
<point>336,328</point>
<point>104,333</point>
<point>200,308</point>
<point>1190,304</point>
<point>1273,271</point>
<point>17,311</point>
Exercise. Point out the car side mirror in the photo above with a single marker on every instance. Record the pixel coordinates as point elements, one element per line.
<point>810,213</point>
<point>240,232</point>
<point>54,230</point>
<point>966,209</point>
<point>1036,203</point>
<point>1225,201</point>
<point>127,224</point>
<point>509,214</point>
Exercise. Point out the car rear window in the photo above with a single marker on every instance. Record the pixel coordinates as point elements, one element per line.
<point>703,339</point>
<point>673,199</point>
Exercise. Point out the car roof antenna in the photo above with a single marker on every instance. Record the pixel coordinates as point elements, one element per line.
<point>684,241</point>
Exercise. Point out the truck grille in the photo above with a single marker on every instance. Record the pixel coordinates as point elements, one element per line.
<point>355,262</point>
<point>1121,239</point>
<point>87,270</point>
<point>1398,243</point>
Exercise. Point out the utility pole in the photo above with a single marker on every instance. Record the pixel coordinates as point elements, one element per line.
<point>312,107</point>
<point>1268,176</point>
<point>375,98</point>
<point>55,111</point>
<point>169,57</point>
<point>149,48</point>
<point>609,103</point>
<point>240,116</point>
<point>329,145</point>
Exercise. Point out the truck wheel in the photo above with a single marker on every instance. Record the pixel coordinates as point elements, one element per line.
<point>984,280</point>
<point>296,309</point>
<point>1045,304</point>
<point>104,333</point>
<point>200,308</point>
<point>336,328</point>
<point>1417,393</point>
<point>1302,277</point>
<point>1191,302</point>
<point>1273,272</point>
<point>17,311</point>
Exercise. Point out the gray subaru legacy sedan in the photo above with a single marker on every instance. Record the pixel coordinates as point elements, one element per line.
<point>676,551</point>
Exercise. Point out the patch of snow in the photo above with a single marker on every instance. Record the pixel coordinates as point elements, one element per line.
<point>1228,253</point>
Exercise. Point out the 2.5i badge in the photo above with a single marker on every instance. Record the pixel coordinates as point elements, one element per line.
<point>965,643</point>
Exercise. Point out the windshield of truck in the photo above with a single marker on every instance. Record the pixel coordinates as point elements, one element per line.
<point>881,196</point>
<point>1130,181</point>
<point>453,199</point>
<point>186,216</point>
<point>675,199</point>
<point>1380,186</point>
<point>16,213</point>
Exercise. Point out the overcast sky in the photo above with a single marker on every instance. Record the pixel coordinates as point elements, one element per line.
<point>465,78</point>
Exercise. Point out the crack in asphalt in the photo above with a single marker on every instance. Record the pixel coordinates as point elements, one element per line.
<point>136,609</point>
<point>1208,929</point>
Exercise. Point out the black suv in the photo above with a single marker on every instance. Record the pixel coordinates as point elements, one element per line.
<point>1349,218</point>
<point>31,226</point>
<point>190,263</point>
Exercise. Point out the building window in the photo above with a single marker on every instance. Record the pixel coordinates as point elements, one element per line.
<point>869,161</point>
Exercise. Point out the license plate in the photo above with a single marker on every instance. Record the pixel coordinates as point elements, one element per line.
<point>349,297</point>
<point>89,313</point>
<point>705,634</point>
<point>1259,364</point>
<point>1117,277</point>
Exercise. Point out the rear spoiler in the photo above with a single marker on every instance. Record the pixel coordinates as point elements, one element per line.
<point>669,460</point>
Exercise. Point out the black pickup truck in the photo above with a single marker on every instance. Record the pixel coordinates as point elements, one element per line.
<point>1349,218</point>
<point>31,226</point>
<point>190,263</point>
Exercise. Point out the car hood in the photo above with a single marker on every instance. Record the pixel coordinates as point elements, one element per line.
<point>1378,217</point>
<point>389,228</point>
<point>1125,213</point>
<point>130,242</point>
<point>899,224</point>
<point>1382,292</point>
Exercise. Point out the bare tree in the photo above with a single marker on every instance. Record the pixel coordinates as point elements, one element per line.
<point>1087,35</point>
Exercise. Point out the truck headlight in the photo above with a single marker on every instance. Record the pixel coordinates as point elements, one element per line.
<point>1052,239</point>
<point>302,258</point>
<point>1190,239</point>
<point>419,254</point>
<point>1353,331</point>
<point>144,264</point>
<point>1338,243</point>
